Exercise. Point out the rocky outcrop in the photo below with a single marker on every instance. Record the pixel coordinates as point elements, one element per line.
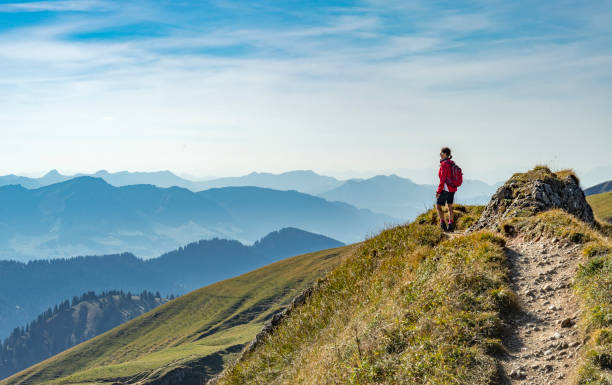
<point>535,191</point>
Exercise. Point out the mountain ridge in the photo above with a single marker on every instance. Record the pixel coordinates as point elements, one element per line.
<point>86,215</point>
<point>27,289</point>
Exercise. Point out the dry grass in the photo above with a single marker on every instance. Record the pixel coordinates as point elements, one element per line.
<point>409,307</point>
<point>602,206</point>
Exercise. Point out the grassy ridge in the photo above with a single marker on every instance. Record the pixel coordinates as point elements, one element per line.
<point>189,331</point>
<point>411,307</point>
<point>602,205</point>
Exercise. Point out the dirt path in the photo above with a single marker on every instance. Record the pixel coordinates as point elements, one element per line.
<point>542,338</point>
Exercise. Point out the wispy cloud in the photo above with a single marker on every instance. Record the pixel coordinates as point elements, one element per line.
<point>56,6</point>
<point>228,92</point>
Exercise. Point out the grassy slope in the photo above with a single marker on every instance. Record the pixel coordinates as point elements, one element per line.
<point>602,205</point>
<point>181,331</point>
<point>409,307</point>
<point>413,307</point>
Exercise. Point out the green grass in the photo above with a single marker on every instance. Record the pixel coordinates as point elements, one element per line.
<point>188,331</point>
<point>410,307</point>
<point>602,205</point>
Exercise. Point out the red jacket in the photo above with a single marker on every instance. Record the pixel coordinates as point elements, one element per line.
<point>445,173</point>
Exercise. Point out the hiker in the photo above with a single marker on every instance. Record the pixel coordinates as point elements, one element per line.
<point>451,177</point>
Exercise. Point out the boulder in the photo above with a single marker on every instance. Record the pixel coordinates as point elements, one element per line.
<point>538,190</point>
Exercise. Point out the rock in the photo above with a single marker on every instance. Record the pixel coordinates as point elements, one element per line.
<point>548,352</point>
<point>548,368</point>
<point>537,191</point>
<point>567,323</point>
<point>556,336</point>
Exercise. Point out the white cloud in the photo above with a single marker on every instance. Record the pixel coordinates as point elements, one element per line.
<point>341,95</point>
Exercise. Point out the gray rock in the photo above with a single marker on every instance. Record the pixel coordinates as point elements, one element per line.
<point>516,197</point>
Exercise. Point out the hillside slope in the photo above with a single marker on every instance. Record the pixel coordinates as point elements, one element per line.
<point>413,306</point>
<point>602,205</point>
<point>188,339</point>
<point>69,324</point>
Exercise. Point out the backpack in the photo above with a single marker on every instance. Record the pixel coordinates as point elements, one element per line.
<point>456,176</point>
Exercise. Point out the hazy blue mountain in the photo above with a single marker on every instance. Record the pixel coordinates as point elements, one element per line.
<point>400,197</point>
<point>26,289</point>
<point>292,241</point>
<point>599,188</point>
<point>118,179</point>
<point>85,216</point>
<point>156,178</point>
<point>70,323</point>
<point>392,195</point>
<point>305,181</point>
<point>259,208</point>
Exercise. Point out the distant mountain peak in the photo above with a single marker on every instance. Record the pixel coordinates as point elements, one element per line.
<point>84,180</point>
<point>52,173</point>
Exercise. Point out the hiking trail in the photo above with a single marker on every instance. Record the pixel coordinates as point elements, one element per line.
<point>542,337</point>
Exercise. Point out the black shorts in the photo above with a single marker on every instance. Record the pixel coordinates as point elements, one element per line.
<point>445,197</point>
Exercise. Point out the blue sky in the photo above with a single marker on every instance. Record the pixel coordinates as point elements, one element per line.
<point>341,87</point>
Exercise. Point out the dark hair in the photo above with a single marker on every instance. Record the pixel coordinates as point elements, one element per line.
<point>446,151</point>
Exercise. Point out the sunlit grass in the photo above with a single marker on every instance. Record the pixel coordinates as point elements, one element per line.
<point>409,307</point>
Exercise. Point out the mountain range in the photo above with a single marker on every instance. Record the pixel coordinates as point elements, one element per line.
<point>392,195</point>
<point>26,289</point>
<point>88,216</point>
<point>305,181</point>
